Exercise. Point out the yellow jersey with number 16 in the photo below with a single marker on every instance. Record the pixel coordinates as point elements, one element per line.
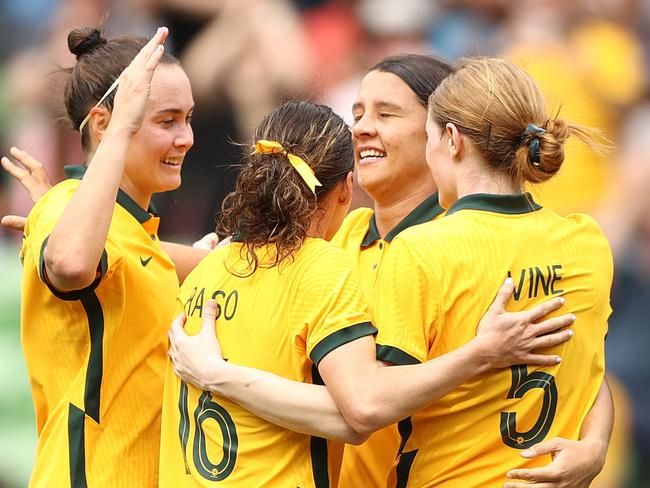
<point>282,319</point>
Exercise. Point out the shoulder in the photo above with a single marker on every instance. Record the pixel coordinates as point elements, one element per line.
<point>319,252</point>
<point>50,206</point>
<point>356,222</point>
<point>589,230</point>
<point>56,196</point>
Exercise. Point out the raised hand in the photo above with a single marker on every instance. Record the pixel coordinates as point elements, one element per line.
<point>511,337</point>
<point>33,177</point>
<point>135,84</point>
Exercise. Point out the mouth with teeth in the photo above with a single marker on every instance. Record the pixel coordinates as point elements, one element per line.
<point>369,156</point>
<point>172,162</point>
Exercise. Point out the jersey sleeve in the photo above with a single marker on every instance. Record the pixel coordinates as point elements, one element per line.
<point>406,306</point>
<point>330,304</point>
<point>40,223</point>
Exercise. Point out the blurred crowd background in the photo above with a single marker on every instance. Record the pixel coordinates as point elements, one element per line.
<point>243,57</point>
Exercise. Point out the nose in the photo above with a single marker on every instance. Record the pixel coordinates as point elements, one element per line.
<point>185,137</point>
<point>364,126</point>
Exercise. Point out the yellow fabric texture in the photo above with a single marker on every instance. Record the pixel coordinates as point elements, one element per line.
<point>433,290</point>
<point>96,363</point>
<point>279,319</point>
<point>368,465</point>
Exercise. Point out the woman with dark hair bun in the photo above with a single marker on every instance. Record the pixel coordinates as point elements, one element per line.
<point>98,289</point>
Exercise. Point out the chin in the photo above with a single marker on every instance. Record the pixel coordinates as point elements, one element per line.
<point>169,185</point>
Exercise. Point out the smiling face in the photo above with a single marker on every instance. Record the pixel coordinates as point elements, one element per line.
<point>156,153</point>
<point>389,138</point>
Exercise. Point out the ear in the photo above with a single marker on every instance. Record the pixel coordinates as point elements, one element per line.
<point>345,195</point>
<point>456,140</point>
<point>99,119</point>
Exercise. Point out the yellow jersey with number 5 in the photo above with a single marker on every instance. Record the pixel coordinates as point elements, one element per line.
<point>433,289</point>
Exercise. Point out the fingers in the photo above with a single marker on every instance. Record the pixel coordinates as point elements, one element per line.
<point>208,242</point>
<point>151,49</point>
<point>14,222</point>
<point>543,309</point>
<point>12,169</point>
<point>550,325</point>
<point>541,359</point>
<point>503,296</point>
<point>209,317</point>
<point>543,448</point>
<point>224,242</point>
<point>550,340</point>
<point>533,474</point>
<point>25,159</point>
<point>155,57</point>
<point>177,326</point>
<point>517,484</point>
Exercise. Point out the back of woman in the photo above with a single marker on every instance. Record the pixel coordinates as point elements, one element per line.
<point>285,298</point>
<point>474,435</point>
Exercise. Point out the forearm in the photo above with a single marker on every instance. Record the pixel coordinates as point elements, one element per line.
<point>599,422</point>
<point>371,396</point>
<point>301,407</point>
<point>185,258</point>
<point>397,392</point>
<point>78,239</point>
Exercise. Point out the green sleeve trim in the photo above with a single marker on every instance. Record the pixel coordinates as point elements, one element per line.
<point>340,337</point>
<point>77,447</point>
<point>394,355</point>
<point>102,267</point>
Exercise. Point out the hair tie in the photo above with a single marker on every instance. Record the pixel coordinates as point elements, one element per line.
<point>272,147</point>
<point>533,132</point>
<point>108,92</point>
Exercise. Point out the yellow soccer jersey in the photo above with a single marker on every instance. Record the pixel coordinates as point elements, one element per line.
<point>369,465</point>
<point>96,357</point>
<point>280,319</point>
<point>433,290</point>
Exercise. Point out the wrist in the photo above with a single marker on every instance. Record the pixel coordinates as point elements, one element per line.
<point>481,356</point>
<point>119,132</point>
<point>598,447</point>
<point>220,376</point>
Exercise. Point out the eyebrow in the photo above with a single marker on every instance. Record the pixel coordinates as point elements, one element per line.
<point>382,104</point>
<point>173,110</point>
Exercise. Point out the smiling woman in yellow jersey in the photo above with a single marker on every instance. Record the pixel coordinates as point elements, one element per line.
<point>96,284</point>
<point>290,305</point>
<point>390,114</point>
<point>488,132</point>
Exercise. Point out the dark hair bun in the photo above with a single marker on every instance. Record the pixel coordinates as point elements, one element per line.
<point>81,41</point>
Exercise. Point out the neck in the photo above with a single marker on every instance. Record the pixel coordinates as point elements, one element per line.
<point>143,199</point>
<point>477,179</point>
<point>389,214</point>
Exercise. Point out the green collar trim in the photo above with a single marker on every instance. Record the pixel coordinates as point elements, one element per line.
<point>140,214</point>
<point>504,204</point>
<point>425,212</point>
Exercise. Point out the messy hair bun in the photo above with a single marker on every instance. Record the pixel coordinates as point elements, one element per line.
<point>81,41</point>
<point>499,107</point>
